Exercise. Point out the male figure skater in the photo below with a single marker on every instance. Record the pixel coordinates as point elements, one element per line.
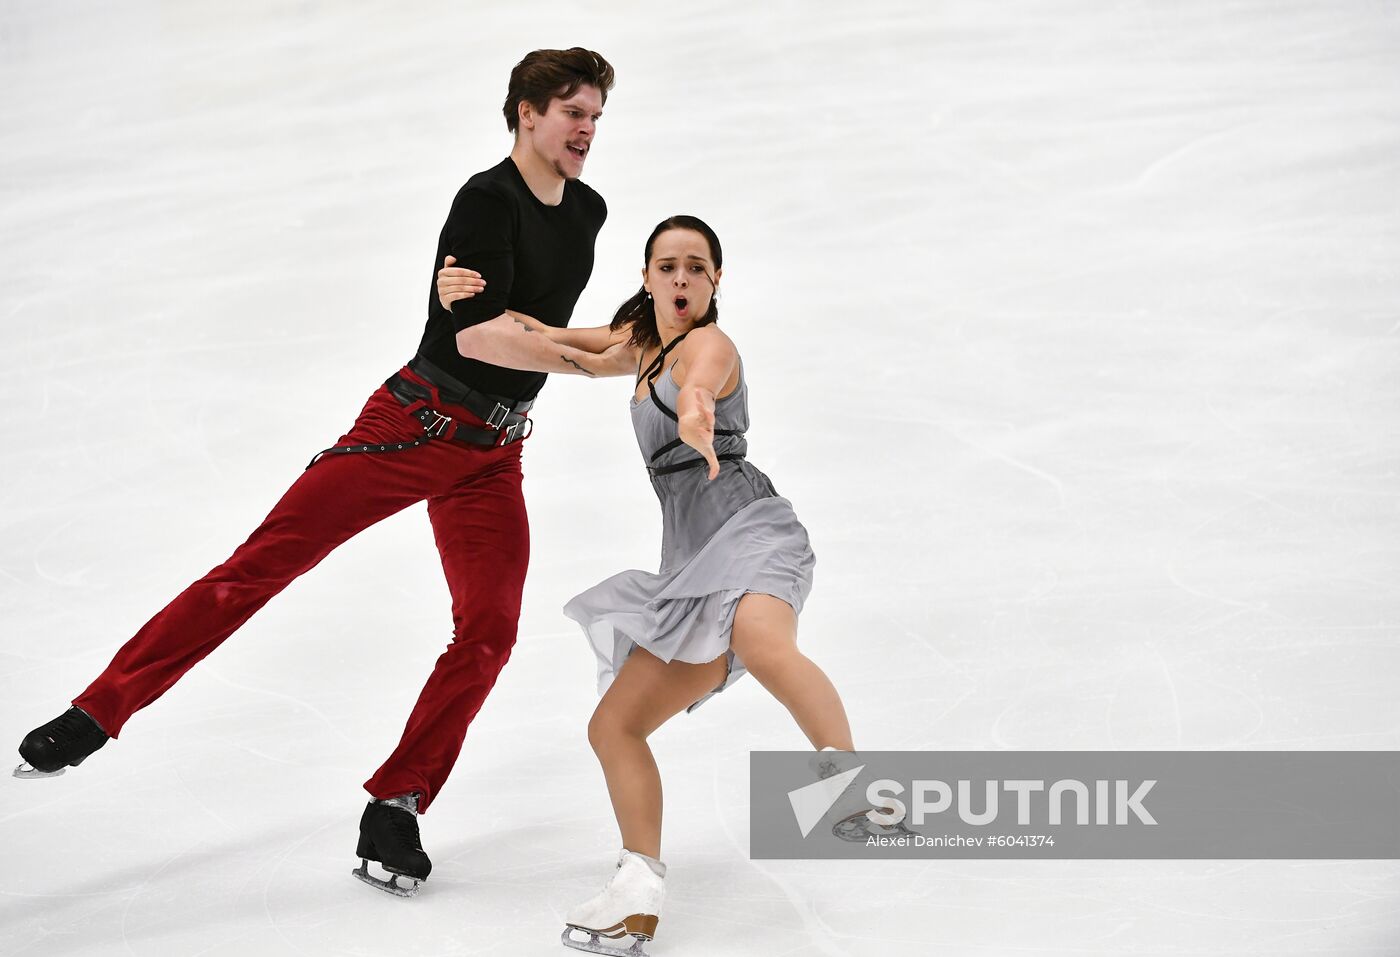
<point>448,427</point>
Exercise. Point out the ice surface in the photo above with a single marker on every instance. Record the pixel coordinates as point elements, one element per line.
<point>1072,335</point>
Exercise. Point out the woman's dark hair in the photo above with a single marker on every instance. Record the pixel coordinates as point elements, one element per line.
<point>639,312</point>
<point>546,74</point>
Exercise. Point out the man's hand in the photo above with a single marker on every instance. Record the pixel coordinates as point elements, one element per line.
<point>697,430</point>
<point>454,283</point>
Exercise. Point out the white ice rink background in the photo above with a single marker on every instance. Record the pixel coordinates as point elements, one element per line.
<point>1072,334</point>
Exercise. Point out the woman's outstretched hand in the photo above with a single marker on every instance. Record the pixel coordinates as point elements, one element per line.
<point>710,359</point>
<point>454,283</point>
<point>696,428</point>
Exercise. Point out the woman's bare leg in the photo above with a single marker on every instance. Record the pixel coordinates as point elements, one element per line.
<point>765,639</point>
<point>646,692</point>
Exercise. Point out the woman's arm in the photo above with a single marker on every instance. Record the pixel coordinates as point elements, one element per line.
<point>709,360</point>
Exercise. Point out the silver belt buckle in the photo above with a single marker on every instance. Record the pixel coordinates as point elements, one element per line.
<point>520,431</point>
<point>498,416</point>
<point>438,425</point>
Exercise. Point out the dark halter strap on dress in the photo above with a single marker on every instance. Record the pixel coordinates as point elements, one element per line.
<point>652,372</point>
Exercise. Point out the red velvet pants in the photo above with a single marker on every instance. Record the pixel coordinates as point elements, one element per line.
<point>478,518</point>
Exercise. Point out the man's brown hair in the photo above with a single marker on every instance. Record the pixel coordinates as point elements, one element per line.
<point>546,74</point>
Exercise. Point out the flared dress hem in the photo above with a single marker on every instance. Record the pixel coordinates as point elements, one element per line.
<point>687,613</point>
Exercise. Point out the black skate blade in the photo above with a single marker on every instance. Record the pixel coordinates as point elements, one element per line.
<point>595,946</point>
<point>857,829</point>
<point>391,886</point>
<point>30,773</point>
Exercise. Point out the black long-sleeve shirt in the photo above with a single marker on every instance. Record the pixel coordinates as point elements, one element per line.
<point>535,259</point>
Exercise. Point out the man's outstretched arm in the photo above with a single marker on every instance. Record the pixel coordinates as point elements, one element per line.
<point>480,235</point>
<point>512,343</point>
<point>456,283</point>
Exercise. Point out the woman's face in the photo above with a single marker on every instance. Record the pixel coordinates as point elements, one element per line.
<point>679,278</point>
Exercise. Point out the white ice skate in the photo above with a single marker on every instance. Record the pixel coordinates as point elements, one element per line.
<point>850,815</point>
<point>630,904</point>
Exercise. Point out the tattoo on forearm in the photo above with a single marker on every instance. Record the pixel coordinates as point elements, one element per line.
<point>578,367</point>
<point>526,325</point>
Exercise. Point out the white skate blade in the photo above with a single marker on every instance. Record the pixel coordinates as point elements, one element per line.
<point>595,946</point>
<point>391,886</point>
<point>28,772</point>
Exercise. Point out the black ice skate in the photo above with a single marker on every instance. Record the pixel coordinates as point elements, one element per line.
<point>389,835</point>
<point>64,742</point>
<point>850,811</point>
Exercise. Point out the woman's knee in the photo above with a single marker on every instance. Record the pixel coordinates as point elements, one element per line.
<point>607,728</point>
<point>765,633</point>
<point>763,658</point>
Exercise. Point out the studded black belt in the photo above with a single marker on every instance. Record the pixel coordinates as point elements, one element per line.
<point>505,422</point>
<point>491,409</point>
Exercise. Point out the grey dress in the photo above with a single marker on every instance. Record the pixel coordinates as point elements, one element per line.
<point>720,540</point>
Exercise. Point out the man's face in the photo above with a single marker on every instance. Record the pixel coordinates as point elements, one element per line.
<point>563,134</point>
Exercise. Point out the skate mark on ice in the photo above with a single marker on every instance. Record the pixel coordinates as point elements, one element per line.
<point>281,859</point>
<point>325,719</point>
<point>138,890</point>
<point>1011,460</point>
<point>819,933</point>
<point>1164,668</point>
<point>1198,142</point>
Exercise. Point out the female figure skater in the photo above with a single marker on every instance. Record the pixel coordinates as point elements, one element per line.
<point>736,566</point>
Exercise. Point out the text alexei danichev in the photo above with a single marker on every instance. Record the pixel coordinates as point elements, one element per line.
<point>919,840</point>
<point>958,840</point>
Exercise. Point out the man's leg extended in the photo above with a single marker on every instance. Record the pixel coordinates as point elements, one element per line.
<point>335,499</point>
<point>483,536</point>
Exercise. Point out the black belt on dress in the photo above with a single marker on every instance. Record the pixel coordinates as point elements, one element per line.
<point>656,470</point>
<point>503,416</point>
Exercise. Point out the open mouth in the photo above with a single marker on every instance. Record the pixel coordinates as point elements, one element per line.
<point>681,303</point>
<point>579,151</point>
